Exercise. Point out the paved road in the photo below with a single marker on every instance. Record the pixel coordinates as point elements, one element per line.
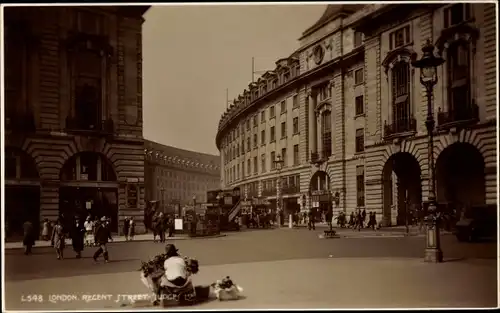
<point>252,246</point>
<point>306,283</point>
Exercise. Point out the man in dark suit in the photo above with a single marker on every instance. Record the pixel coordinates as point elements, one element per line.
<point>78,237</point>
<point>102,235</point>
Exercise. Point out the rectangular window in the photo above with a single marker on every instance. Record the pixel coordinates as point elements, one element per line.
<point>255,168</point>
<point>360,140</point>
<point>242,169</point>
<point>263,116</point>
<point>255,141</point>
<point>237,171</point>
<point>256,94</point>
<point>249,147</point>
<point>243,148</point>
<point>295,125</point>
<point>249,167</point>
<point>272,112</point>
<point>263,163</point>
<point>273,158</point>
<point>360,185</point>
<point>263,137</point>
<point>456,14</point>
<point>358,39</point>
<point>296,155</point>
<point>273,133</point>
<point>264,89</point>
<point>283,106</point>
<point>283,129</point>
<point>275,83</point>
<point>399,37</point>
<point>295,101</point>
<point>255,122</point>
<point>358,76</point>
<point>248,124</point>
<point>360,105</point>
<point>283,156</point>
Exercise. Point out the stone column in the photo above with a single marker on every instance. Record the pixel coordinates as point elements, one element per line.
<point>312,123</point>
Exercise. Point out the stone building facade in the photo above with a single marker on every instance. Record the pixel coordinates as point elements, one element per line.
<point>175,176</point>
<point>354,110</point>
<point>73,114</point>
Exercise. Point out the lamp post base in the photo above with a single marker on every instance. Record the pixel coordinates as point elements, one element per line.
<point>433,255</point>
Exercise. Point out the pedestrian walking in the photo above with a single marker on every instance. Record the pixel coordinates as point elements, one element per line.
<point>171,227</point>
<point>102,236</point>
<point>89,231</point>
<point>311,224</point>
<point>359,221</point>
<point>78,237</point>
<point>45,230</point>
<point>373,220</point>
<point>131,228</point>
<point>125,229</point>
<point>363,218</point>
<point>58,239</point>
<point>29,237</point>
<point>351,220</point>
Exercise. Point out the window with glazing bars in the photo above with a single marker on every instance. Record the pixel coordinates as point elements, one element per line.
<point>401,110</point>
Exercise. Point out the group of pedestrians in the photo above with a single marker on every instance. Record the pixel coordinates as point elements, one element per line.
<point>358,220</point>
<point>129,228</point>
<point>161,224</point>
<point>79,232</point>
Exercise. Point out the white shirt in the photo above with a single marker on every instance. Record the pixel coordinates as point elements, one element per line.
<point>175,267</point>
<point>88,225</point>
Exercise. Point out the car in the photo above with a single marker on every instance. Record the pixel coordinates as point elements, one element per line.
<point>479,222</point>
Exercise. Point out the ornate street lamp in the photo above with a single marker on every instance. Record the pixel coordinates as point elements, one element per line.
<point>428,77</point>
<point>279,164</point>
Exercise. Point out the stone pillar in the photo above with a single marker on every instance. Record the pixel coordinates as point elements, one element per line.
<point>312,123</point>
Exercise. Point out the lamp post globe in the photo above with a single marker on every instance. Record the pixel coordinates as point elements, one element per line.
<point>428,65</point>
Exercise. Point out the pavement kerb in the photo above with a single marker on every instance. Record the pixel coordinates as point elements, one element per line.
<point>119,239</point>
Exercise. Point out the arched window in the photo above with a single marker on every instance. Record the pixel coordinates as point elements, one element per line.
<point>401,107</point>
<point>326,133</point>
<point>459,98</point>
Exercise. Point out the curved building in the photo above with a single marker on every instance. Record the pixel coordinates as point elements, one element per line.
<point>346,113</point>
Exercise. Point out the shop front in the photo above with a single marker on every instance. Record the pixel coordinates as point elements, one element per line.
<point>321,203</point>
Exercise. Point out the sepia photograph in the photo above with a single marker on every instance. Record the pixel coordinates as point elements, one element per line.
<point>249,156</point>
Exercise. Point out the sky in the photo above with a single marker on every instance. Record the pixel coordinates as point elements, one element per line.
<point>192,54</point>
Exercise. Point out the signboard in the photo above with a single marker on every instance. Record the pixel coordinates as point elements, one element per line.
<point>88,205</point>
<point>178,224</point>
<point>84,176</point>
<point>315,204</point>
<point>246,203</point>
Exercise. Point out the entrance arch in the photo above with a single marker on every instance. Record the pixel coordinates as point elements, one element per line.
<point>89,187</point>
<point>460,181</point>
<point>402,189</point>
<point>321,198</point>
<point>22,192</point>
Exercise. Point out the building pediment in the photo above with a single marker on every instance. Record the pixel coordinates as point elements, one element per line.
<point>397,55</point>
<point>460,32</point>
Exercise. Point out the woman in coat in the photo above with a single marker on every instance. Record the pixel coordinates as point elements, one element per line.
<point>58,239</point>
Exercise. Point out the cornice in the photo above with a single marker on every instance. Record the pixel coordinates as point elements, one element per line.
<point>338,61</point>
